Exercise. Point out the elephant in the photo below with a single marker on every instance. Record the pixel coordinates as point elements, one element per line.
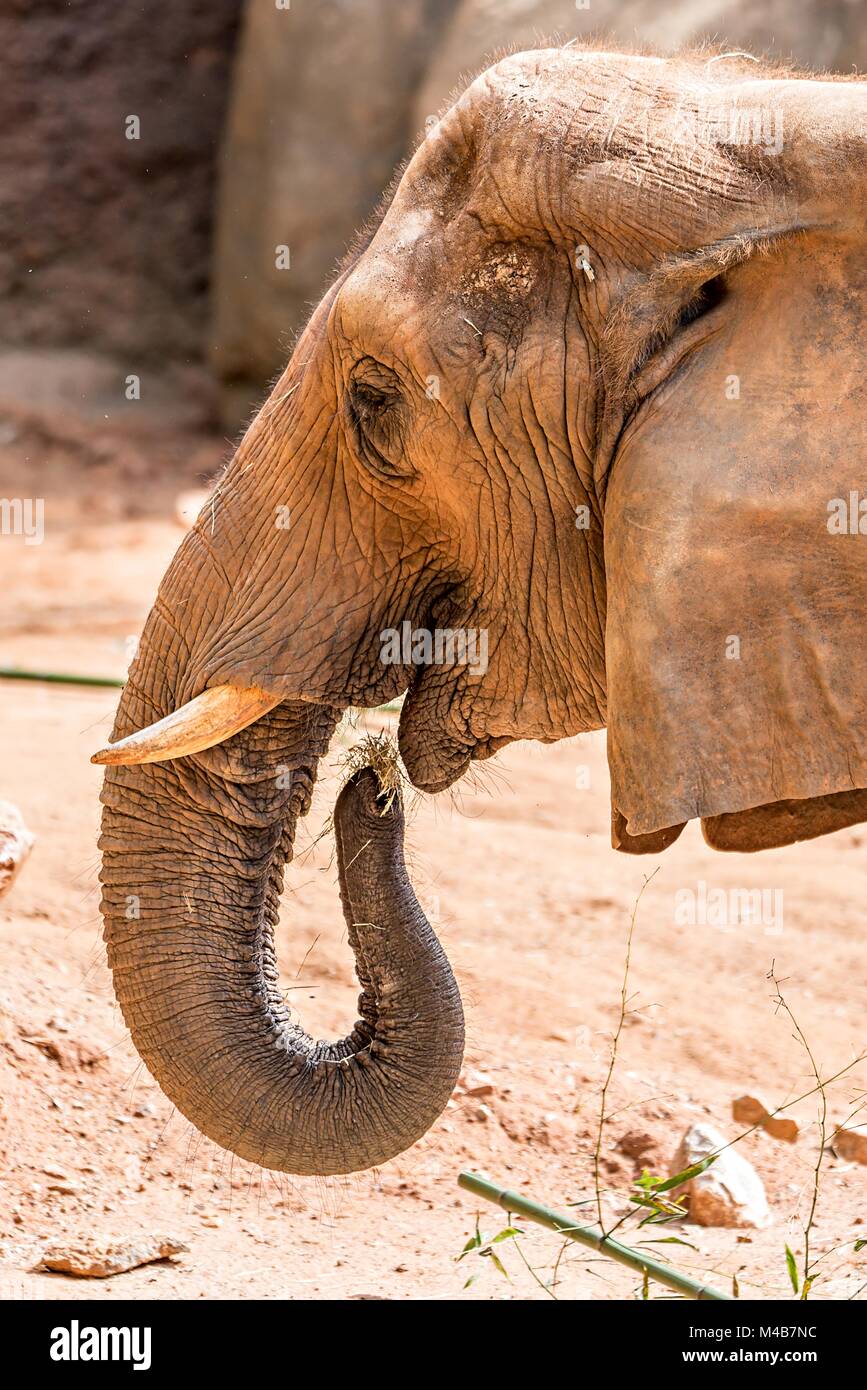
<point>590,387</point>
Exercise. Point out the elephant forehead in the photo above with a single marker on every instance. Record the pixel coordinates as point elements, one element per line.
<point>394,303</point>
<point>396,276</point>
<point>377,297</point>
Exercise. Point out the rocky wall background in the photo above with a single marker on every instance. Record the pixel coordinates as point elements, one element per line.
<point>268,130</point>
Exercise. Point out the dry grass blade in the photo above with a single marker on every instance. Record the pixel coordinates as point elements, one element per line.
<point>378,752</point>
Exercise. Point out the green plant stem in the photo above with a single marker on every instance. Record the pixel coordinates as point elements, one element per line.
<point>612,1062</point>
<point>17,673</point>
<point>587,1235</point>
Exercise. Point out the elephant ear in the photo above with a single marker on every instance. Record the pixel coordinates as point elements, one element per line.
<point>736,563</point>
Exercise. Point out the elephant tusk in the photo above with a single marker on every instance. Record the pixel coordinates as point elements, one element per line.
<point>210,718</point>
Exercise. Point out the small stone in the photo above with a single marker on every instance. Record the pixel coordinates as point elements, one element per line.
<point>16,842</point>
<point>729,1192</point>
<point>99,1261</point>
<point>780,1128</point>
<point>749,1110</point>
<point>851,1143</point>
<point>479,1084</point>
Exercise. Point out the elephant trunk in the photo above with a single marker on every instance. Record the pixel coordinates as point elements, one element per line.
<point>193,856</point>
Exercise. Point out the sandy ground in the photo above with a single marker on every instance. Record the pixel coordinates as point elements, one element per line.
<point>533,907</point>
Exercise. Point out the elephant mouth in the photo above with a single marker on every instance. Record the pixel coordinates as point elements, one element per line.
<point>436,751</point>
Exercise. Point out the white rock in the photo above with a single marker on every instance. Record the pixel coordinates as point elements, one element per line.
<point>729,1192</point>
<point>479,1084</point>
<point>16,842</point>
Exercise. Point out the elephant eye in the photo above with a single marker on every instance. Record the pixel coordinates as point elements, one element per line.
<point>368,403</point>
<point>377,418</point>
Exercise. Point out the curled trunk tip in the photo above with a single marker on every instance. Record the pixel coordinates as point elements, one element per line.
<point>196,975</point>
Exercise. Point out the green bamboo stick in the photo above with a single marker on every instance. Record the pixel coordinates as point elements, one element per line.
<point>17,673</point>
<point>589,1236</point>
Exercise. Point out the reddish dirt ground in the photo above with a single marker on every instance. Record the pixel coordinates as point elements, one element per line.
<point>533,907</point>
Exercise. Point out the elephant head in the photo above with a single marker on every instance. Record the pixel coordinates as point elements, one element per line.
<point>556,451</point>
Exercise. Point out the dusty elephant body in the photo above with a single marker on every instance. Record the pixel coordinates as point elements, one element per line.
<point>587,392</point>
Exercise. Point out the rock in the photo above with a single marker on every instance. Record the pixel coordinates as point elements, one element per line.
<point>780,1128</point>
<point>729,1192</point>
<point>318,119</point>
<point>105,239</point>
<point>851,1142</point>
<point>76,394</point>
<point>16,842</point>
<point>749,1110</point>
<point>100,1261</point>
<point>479,1084</point>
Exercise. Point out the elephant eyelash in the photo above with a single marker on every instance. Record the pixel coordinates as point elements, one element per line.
<point>367,404</point>
<point>707,297</point>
